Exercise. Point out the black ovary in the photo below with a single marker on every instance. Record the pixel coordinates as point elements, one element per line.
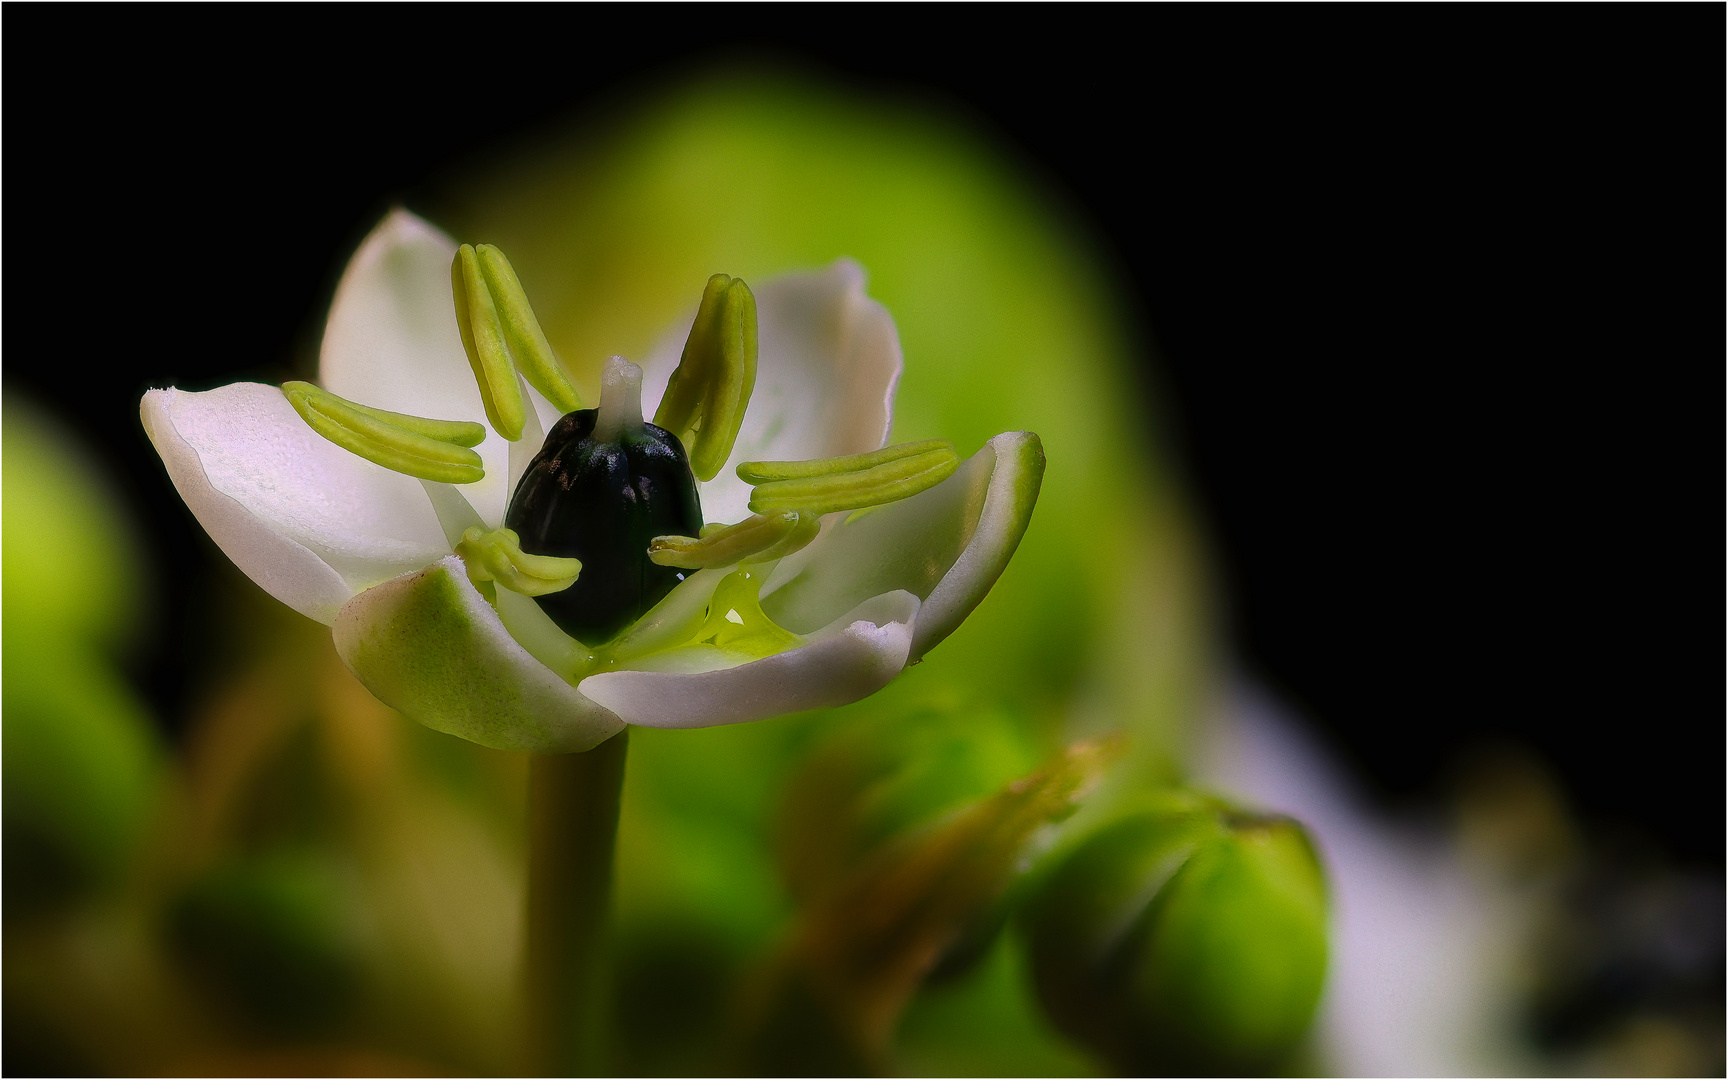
<point>603,503</point>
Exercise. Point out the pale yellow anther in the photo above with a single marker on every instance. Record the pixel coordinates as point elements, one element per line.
<point>706,397</point>
<point>427,449</point>
<point>483,339</point>
<point>756,539</point>
<point>528,345</point>
<point>497,556</point>
<point>828,485</point>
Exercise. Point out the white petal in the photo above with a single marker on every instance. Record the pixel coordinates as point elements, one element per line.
<point>547,412</point>
<point>946,546</point>
<point>523,450</point>
<point>391,342</point>
<point>427,645</point>
<point>456,515</point>
<point>852,658</point>
<point>304,518</point>
<point>828,363</point>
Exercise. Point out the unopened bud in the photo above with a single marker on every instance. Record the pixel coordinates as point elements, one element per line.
<point>1189,939</point>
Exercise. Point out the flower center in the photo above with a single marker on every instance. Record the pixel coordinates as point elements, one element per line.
<point>606,520</point>
<point>603,486</point>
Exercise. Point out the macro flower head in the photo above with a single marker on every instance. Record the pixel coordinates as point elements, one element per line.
<point>505,561</point>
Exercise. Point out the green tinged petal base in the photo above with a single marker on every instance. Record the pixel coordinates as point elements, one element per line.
<point>429,646</point>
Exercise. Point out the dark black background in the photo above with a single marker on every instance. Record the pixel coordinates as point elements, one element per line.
<point>1437,295</point>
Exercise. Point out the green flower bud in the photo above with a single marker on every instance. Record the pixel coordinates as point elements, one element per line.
<point>1185,939</point>
<point>865,785</point>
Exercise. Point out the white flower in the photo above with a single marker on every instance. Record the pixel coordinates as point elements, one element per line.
<point>369,551</point>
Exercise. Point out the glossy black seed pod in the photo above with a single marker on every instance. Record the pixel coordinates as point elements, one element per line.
<point>602,502</point>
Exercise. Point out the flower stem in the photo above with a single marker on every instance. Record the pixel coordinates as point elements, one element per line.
<point>573,828</point>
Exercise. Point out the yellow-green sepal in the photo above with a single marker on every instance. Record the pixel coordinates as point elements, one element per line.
<point>428,645</point>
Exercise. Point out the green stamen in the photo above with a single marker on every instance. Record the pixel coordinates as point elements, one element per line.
<point>497,556</point>
<point>483,339</point>
<point>755,539</point>
<point>528,345</point>
<point>737,623</point>
<point>829,485</point>
<point>705,400</point>
<point>427,449</point>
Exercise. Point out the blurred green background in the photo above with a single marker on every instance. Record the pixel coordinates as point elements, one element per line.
<point>223,856</point>
<point>317,876</point>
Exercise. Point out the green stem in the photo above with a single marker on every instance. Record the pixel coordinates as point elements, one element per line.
<point>573,828</point>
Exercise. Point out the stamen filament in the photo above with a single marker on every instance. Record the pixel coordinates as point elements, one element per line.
<point>850,483</point>
<point>427,449</point>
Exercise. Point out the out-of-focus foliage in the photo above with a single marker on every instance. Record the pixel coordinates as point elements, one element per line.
<point>316,885</point>
<point>83,771</point>
<point>272,939</point>
<point>880,915</point>
<point>313,885</point>
<point>1185,939</point>
<point>1620,970</point>
<point>332,890</point>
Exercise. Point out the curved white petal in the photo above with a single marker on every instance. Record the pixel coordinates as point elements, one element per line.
<point>523,450</point>
<point>544,410</point>
<point>828,363</point>
<point>304,518</point>
<point>427,645</point>
<point>852,658</point>
<point>456,515</point>
<point>391,342</point>
<point>947,546</point>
